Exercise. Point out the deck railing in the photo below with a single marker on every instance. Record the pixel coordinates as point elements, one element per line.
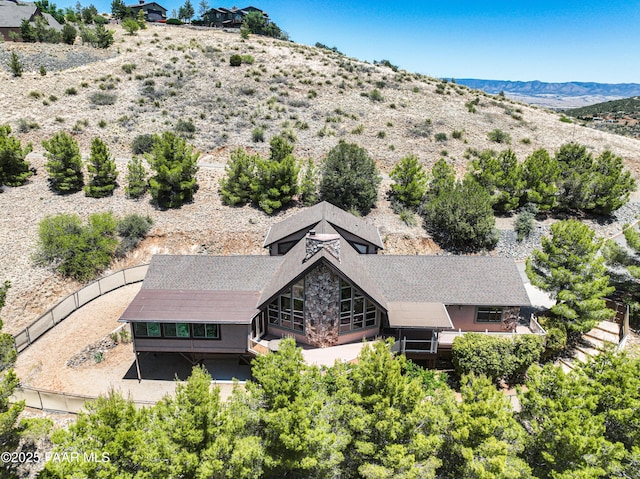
<point>256,347</point>
<point>426,346</point>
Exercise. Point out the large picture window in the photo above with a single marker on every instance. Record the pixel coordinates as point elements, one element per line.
<point>287,311</point>
<point>488,314</point>
<point>356,311</point>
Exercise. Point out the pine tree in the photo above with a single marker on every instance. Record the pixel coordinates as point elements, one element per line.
<point>136,179</point>
<point>175,166</point>
<point>15,65</point>
<point>240,171</point>
<point>611,184</point>
<point>410,182</point>
<point>540,173</point>
<point>102,171</point>
<point>14,169</point>
<point>64,164</point>
<point>568,266</point>
<point>502,177</point>
<point>309,184</point>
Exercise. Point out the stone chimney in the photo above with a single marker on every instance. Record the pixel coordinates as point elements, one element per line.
<point>315,242</point>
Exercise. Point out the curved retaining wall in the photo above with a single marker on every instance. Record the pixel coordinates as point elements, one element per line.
<point>71,303</point>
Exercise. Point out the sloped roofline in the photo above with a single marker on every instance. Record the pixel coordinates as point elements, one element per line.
<point>324,210</point>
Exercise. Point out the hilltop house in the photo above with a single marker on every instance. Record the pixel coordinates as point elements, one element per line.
<point>153,12</point>
<point>229,17</point>
<point>324,284</point>
<point>13,13</point>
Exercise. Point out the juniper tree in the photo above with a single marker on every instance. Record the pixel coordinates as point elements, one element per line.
<point>175,166</point>
<point>102,171</point>
<point>14,169</point>
<point>350,178</point>
<point>64,163</point>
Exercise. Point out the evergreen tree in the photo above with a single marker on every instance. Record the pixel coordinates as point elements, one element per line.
<point>610,185</point>
<point>350,178</point>
<point>309,184</point>
<point>175,166</point>
<point>102,171</point>
<point>27,32</point>
<point>576,168</point>
<point>240,171</point>
<point>142,22</point>
<point>64,163</point>
<point>69,34</point>
<point>501,176</point>
<point>14,169</point>
<point>131,25</point>
<point>569,267</point>
<point>276,179</point>
<point>410,182</point>
<point>186,11</point>
<point>119,10</point>
<point>540,172</point>
<point>443,178</point>
<point>103,37</point>
<point>136,179</point>
<point>15,65</point>
<point>459,216</point>
<point>482,439</point>
<point>567,432</point>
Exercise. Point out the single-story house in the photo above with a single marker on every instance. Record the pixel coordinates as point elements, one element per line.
<point>13,13</point>
<point>323,284</point>
<point>229,17</point>
<point>153,12</point>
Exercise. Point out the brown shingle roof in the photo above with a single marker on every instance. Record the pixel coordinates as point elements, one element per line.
<point>310,217</point>
<point>477,280</point>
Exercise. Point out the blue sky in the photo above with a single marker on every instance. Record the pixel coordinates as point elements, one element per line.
<point>553,41</point>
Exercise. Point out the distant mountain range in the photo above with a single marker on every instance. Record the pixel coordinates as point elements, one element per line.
<point>555,95</point>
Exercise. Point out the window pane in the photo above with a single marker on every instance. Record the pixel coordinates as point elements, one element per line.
<point>140,329</point>
<point>169,329</point>
<point>183,330</point>
<point>212,331</point>
<point>358,305</point>
<point>198,330</point>
<point>298,305</point>
<point>489,315</point>
<point>285,303</point>
<point>153,329</point>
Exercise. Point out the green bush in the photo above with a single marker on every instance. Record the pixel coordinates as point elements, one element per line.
<point>525,221</point>
<point>235,60</point>
<point>132,229</point>
<point>498,358</point>
<point>499,136</point>
<point>186,127</point>
<point>15,65</point>
<point>69,34</point>
<point>100,98</point>
<point>75,250</point>
<point>441,137</point>
<point>143,144</point>
<point>174,21</point>
<point>128,67</point>
<point>14,169</point>
<point>257,134</point>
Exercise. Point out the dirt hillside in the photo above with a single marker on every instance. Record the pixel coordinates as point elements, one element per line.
<point>168,78</point>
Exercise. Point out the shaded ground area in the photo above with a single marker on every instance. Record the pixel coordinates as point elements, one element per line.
<point>168,366</point>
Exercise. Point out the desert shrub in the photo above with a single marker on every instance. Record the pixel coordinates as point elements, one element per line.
<point>131,26</point>
<point>76,250</point>
<point>441,136</point>
<point>186,127</point>
<point>43,70</point>
<point>100,98</point>
<point>142,144</point>
<point>247,59</point>
<point>174,21</point>
<point>235,60</point>
<point>499,136</point>
<point>257,134</point>
<point>375,95</point>
<point>423,129</point>
<point>498,358</point>
<point>457,134</point>
<point>71,91</point>
<point>350,178</point>
<point>128,67</point>
<point>525,221</point>
<point>132,229</point>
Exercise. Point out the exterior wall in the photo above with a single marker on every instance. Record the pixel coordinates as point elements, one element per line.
<point>371,249</point>
<point>233,339</point>
<point>273,249</point>
<point>322,301</point>
<point>464,318</point>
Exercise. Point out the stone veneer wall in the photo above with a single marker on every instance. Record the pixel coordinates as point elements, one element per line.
<point>322,307</point>
<point>315,244</point>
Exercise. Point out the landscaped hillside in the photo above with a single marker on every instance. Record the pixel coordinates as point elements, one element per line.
<point>180,79</point>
